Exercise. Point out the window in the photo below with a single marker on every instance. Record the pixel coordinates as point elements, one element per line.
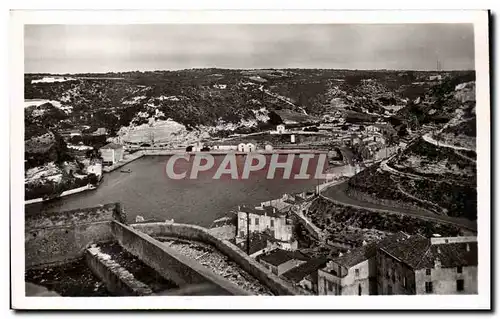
<point>428,272</point>
<point>356,272</point>
<point>272,222</point>
<point>359,290</point>
<point>330,285</point>
<point>242,233</point>
<point>459,269</point>
<point>460,285</point>
<point>428,287</point>
<point>404,282</point>
<point>256,221</point>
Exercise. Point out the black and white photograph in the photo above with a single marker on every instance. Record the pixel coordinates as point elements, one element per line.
<point>253,156</point>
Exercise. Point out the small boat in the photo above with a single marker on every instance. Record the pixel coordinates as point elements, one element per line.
<point>126,171</point>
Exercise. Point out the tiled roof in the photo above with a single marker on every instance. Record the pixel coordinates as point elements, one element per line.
<point>450,255</point>
<point>357,255</point>
<point>298,273</point>
<point>278,256</point>
<point>367,251</point>
<point>418,253</point>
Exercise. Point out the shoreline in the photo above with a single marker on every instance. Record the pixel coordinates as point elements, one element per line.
<point>63,194</point>
<point>164,152</point>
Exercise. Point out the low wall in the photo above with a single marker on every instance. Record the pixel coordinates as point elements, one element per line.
<point>169,263</point>
<point>117,279</point>
<point>130,158</point>
<point>65,193</point>
<point>385,202</point>
<point>197,233</point>
<point>53,237</point>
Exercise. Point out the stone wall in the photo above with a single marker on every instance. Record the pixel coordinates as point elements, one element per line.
<point>118,280</point>
<point>277,285</point>
<point>386,202</point>
<point>169,263</point>
<point>53,237</point>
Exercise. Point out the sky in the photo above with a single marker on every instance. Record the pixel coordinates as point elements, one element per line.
<point>112,48</point>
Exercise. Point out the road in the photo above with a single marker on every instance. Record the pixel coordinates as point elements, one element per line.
<point>429,139</point>
<point>337,194</point>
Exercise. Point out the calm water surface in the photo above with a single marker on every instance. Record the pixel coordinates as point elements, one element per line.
<point>148,192</point>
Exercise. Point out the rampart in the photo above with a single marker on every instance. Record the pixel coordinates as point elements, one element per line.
<point>197,233</point>
<point>53,237</point>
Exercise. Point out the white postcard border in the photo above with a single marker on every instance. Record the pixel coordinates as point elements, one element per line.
<point>478,18</point>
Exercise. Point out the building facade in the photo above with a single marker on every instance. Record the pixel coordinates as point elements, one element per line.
<point>111,153</point>
<point>419,265</point>
<point>264,218</point>
<point>351,274</point>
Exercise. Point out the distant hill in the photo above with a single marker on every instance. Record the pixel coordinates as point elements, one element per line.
<point>437,171</point>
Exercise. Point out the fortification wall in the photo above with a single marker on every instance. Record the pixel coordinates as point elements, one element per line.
<point>197,233</point>
<point>53,237</point>
<point>169,263</point>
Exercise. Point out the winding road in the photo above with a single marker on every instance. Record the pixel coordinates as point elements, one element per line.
<point>429,139</point>
<point>337,194</point>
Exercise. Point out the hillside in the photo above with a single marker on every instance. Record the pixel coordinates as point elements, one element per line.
<point>437,171</point>
<point>220,98</point>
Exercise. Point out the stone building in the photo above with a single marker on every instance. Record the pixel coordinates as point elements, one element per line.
<point>111,153</point>
<point>355,272</point>
<point>264,218</point>
<point>419,265</point>
<point>279,261</point>
<point>305,275</point>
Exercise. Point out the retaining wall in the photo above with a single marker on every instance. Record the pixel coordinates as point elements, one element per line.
<point>385,202</point>
<point>169,263</point>
<point>61,236</point>
<point>197,233</point>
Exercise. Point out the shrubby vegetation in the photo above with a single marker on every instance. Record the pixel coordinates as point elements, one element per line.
<point>328,215</point>
<point>51,190</point>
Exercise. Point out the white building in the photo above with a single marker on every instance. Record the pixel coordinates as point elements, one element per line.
<point>372,128</point>
<point>280,129</point>
<point>248,147</point>
<point>225,147</point>
<point>111,153</point>
<point>355,272</point>
<point>220,86</point>
<point>264,218</point>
